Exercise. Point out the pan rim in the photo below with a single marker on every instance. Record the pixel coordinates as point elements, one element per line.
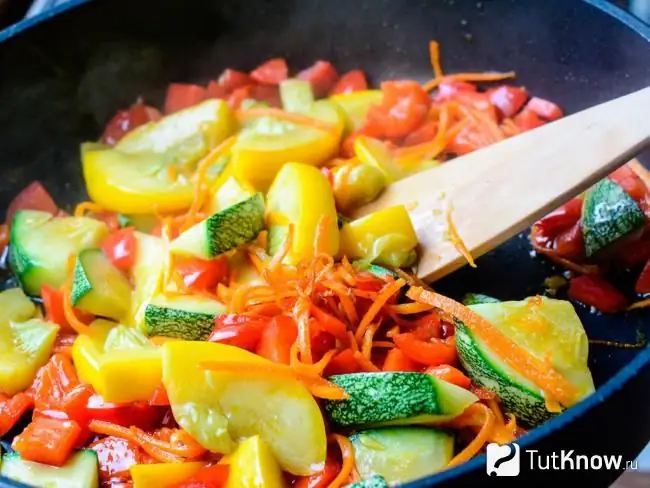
<point>605,391</point>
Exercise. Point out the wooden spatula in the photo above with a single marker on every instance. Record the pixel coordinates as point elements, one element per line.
<point>499,191</point>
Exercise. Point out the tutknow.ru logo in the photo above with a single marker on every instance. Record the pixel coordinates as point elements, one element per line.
<point>505,460</point>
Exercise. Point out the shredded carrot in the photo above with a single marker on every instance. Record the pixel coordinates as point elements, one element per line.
<point>468,77</point>
<point>353,344</point>
<point>365,363</point>
<point>536,370</point>
<point>366,348</point>
<point>284,250</point>
<point>384,295</point>
<point>346,302</point>
<point>384,344</point>
<point>393,331</point>
<point>434,55</point>
<point>640,304</point>
<point>411,308</point>
<point>347,455</point>
<point>482,437</point>
<point>301,312</point>
<point>431,149</point>
<point>456,240</point>
<point>81,209</point>
<point>244,115</point>
<point>68,311</point>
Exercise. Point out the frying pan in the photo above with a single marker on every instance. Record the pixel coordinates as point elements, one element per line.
<point>64,76</point>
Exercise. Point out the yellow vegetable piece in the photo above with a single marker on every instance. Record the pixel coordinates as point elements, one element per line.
<point>355,107</point>
<point>385,237</point>
<point>266,143</point>
<point>301,195</point>
<point>123,367</point>
<point>253,466</point>
<point>135,176</point>
<point>220,408</point>
<point>228,190</point>
<point>163,474</point>
<point>356,184</point>
<point>151,255</point>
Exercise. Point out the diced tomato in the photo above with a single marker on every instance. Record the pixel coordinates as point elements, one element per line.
<point>126,120</point>
<point>33,197</point>
<point>642,285</point>
<point>508,99</point>
<point>403,109</point>
<point>396,360</point>
<point>545,109</point>
<point>321,75</point>
<point>448,89</point>
<point>343,363</point>
<point>468,140</point>
<point>239,95</point>
<point>159,397</point>
<point>634,252</point>
<point>477,101</point>
<point>267,93</point>
<point>277,338</point>
<point>630,182</point>
<point>63,343</point>
<point>244,331</point>
<point>53,381</point>
<point>215,90</point>
<point>215,476</point>
<point>120,248</point>
<point>183,95</point>
<point>426,133</point>
<point>12,409</point>
<point>47,440</point>
<point>594,291</point>
<point>428,327</point>
<point>116,455</point>
<point>53,305</point>
<point>431,353</point>
<point>570,243</point>
<point>527,120</point>
<point>321,342</point>
<point>202,274</point>
<point>449,374</point>
<point>231,79</point>
<point>562,218</point>
<point>134,414</point>
<point>323,478</point>
<point>272,72</point>
<point>349,82</point>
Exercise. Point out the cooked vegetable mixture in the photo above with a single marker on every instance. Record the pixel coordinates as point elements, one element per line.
<point>212,317</point>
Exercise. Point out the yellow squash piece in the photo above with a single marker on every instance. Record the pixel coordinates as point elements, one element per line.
<point>301,195</point>
<point>384,237</point>
<point>253,466</point>
<point>220,409</point>
<point>355,106</point>
<point>150,168</point>
<point>356,184</point>
<point>266,143</point>
<point>228,190</point>
<point>118,362</point>
<point>162,475</point>
<point>151,256</point>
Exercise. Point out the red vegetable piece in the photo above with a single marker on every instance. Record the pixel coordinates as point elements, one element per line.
<point>426,133</point>
<point>527,120</point>
<point>12,409</point>
<point>323,478</point>
<point>448,89</point>
<point>47,440</point>
<point>477,101</point>
<point>403,109</point>
<point>468,140</point>
<point>53,382</point>
<point>508,99</point>
<point>244,331</point>
<point>277,338</point>
<point>239,95</point>
<point>396,360</point>
<point>430,353</point>
<point>116,456</point>
<point>428,327</point>
<point>344,362</point>
<point>570,244</point>
<point>267,93</point>
<point>126,120</point>
<point>322,76</point>
<point>120,248</point>
<point>594,291</point>
<point>202,274</point>
<point>561,218</point>
<point>33,197</point>
<point>272,72</point>
<point>545,109</point>
<point>215,476</point>
<point>351,81</point>
<point>183,95</point>
<point>642,285</point>
<point>630,182</point>
<point>215,90</point>
<point>449,374</point>
<point>231,79</point>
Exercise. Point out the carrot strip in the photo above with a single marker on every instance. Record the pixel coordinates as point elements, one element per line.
<point>342,293</point>
<point>284,250</point>
<point>347,455</point>
<point>365,363</point>
<point>640,304</point>
<point>411,308</point>
<point>469,77</point>
<point>244,115</point>
<point>384,344</point>
<point>384,295</point>
<point>301,316</point>
<point>322,234</point>
<point>354,346</point>
<point>434,55</point>
<point>81,209</point>
<point>538,371</point>
<point>68,311</point>
<point>456,240</point>
<point>479,441</point>
<point>366,348</point>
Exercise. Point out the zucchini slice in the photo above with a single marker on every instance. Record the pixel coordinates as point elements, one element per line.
<point>402,454</point>
<point>476,298</point>
<point>296,95</point>
<point>184,317</point>
<point>39,246</point>
<point>224,231</point>
<point>99,287</point>
<point>395,398</point>
<point>151,254</point>
<point>608,214</point>
<point>375,481</point>
<point>550,330</point>
<point>79,472</point>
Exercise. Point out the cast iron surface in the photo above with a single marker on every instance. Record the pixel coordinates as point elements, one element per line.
<point>64,77</point>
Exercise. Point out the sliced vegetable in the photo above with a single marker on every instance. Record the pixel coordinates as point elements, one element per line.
<point>223,231</point>
<point>403,109</point>
<point>99,287</point>
<point>120,247</point>
<point>375,481</point>
<point>12,409</point>
<point>356,184</point>
<point>146,274</point>
<point>36,265</point>
<point>183,95</point>
<point>202,275</point>
<point>608,215</point>
<point>349,82</point>
<point>355,106</point>
<point>228,190</point>
<point>476,298</point>
<point>547,328</point>
<point>297,95</point>
<point>162,475</point>
<point>271,72</point>
<point>402,454</point>
<point>184,317</point>
<point>125,121</point>
<point>80,471</point>
<point>321,76</point>
<point>301,196</point>
<point>596,292</point>
<point>395,398</point>
<point>218,407</point>
<point>252,465</point>
<point>385,237</point>
<point>47,440</point>
<point>33,197</point>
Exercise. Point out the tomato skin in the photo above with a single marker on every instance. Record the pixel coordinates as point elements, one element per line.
<point>277,338</point>
<point>231,79</point>
<point>12,409</point>
<point>321,342</point>
<point>272,72</point>
<point>448,89</point>
<point>430,353</point>
<point>116,456</point>
<point>570,244</point>
<point>120,248</point>
<point>321,75</point>
<point>630,182</point>
<point>47,440</point>
<point>267,93</point>
<point>237,96</point>
<point>342,363</point>
<point>53,381</point>
<point>244,331</point>
<point>428,327</point>
<point>527,120</point>
<point>559,220</point>
<point>323,478</point>
<point>215,90</point>
<point>126,120</point>
<point>543,108</point>
<point>508,99</point>
<point>349,82</point>
<point>33,197</point>
<point>396,360</point>
<point>642,285</point>
<point>425,133</point>
<point>596,292</point>
<point>403,109</point>
<point>202,274</point>
<point>134,414</point>
<point>183,95</point>
<point>215,476</point>
<point>449,374</point>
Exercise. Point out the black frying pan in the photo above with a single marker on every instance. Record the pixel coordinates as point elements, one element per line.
<point>63,78</point>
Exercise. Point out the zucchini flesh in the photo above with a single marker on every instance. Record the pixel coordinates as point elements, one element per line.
<point>296,95</point>
<point>395,398</point>
<point>39,246</point>
<point>224,231</point>
<point>184,317</point>
<point>375,481</point>
<point>402,454</point>
<point>99,287</point>
<point>609,214</point>
<point>79,472</point>
<point>151,254</point>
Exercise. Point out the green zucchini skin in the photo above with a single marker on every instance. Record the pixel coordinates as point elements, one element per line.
<point>475,298</point>
<point>609,213</point>
<point>375,481</point>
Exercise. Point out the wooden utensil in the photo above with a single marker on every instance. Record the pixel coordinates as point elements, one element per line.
<point>496,192</point>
